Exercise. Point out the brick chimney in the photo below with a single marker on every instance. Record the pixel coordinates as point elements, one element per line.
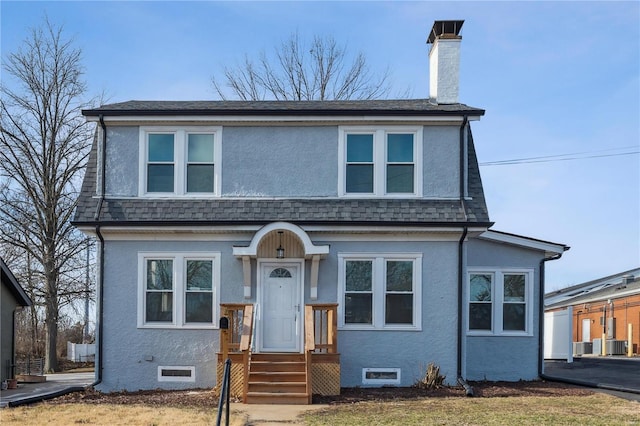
<point>444,61</point>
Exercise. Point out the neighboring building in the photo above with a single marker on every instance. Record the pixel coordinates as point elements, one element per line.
<point>352,234</point>
<point>605,306</point>
<point>12,298</point>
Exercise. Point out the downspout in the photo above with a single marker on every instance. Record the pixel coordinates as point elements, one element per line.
<point>100,297</point>
<point>541,316</point>
<point>468,389</point>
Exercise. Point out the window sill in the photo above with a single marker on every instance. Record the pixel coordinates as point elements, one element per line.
<point>503,334</point>
<point>177,327</point>
<point>384,328</point>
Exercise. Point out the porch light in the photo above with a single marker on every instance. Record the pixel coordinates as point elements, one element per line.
<point>280,249</point>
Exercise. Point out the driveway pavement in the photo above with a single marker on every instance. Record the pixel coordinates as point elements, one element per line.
<point>56,385</point>
<point>615,374</point>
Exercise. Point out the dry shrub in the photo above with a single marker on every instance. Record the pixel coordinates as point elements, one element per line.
<point>432,378</point>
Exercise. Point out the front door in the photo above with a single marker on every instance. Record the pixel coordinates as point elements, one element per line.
<point>281,310</point>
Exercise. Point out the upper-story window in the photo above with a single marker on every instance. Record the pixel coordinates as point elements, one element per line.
<point>180,161</point>
<point>380,162</point>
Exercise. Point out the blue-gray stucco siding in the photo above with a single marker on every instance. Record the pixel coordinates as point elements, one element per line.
<point>508,358</point>
<point>131,355</point>
<point>273,161</point>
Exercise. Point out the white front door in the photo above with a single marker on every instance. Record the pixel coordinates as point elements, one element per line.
<point>281,308</point>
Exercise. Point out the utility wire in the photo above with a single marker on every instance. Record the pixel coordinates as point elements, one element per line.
<point>563,157</point>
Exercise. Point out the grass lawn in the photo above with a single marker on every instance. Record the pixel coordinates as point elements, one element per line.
<point>106,414</point>
<point>593,409</point>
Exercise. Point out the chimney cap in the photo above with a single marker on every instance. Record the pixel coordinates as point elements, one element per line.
<point>446,28</point>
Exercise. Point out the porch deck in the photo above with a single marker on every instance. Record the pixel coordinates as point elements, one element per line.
<point>281,378</point>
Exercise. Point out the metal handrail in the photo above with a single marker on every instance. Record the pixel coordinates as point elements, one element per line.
<point>225,393</point>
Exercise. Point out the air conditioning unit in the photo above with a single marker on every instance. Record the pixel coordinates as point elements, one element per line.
<point>616,347</point>
<point>582,348</point>
<point>597,347</point>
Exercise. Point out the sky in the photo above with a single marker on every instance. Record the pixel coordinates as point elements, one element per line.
<point>559,82</point>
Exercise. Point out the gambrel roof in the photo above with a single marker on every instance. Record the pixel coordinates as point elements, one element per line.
<point>408,107</point>
<point>311,210</point>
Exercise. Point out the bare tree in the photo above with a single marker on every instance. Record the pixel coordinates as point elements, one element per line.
<point>297,71</point>
<point>44,146</point>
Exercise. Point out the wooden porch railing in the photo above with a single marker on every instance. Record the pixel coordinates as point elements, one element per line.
<point>320,336</point>
<point>239,336</point>
<point>236,313</point>
<point>321,326</point>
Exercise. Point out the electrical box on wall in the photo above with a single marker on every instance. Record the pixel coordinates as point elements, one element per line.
<point>611,328</point>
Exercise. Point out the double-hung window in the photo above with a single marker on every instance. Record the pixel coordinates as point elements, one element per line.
<point>180,161</point>
<point>380,291</point>
<point>177,290</point>
<point>500,302</point>
<point>380,162</point>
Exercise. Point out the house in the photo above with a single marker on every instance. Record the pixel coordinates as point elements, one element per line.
<point>13,297</point>
<point>605,308</point>
<point>346,243</point>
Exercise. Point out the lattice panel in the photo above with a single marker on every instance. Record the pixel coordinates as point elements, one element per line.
<point>325,379</point>
<point>237,380</point>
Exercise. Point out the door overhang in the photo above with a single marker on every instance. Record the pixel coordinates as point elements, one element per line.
<point>309,251</point>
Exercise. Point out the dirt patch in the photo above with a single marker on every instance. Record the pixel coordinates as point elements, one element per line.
<point>206,397</point>
<point>480,389</point>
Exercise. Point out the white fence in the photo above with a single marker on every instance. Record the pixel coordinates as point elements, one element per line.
<point>81,352</point>
<point>558,337</point>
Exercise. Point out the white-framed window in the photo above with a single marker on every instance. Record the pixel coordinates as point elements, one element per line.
<point>500,301</point>
<point>380,291</point>
<point>380,161</point>
<point>182,161</point>
<point>178,290</point>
